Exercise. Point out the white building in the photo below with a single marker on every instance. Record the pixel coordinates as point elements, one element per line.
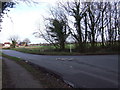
<point>6,45</point>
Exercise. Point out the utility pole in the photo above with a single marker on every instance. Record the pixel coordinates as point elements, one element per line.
<point>70,43</point>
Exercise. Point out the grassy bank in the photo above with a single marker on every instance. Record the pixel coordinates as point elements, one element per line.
<point>50,51</point>
<point>47,80</point>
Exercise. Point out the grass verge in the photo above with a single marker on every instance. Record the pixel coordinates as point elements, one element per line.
<point>47,80</point>
<point>45,52</point>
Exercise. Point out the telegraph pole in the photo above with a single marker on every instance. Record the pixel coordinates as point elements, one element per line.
<point>70,43</point>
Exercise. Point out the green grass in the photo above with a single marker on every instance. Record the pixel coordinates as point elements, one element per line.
<point>10,57</point>
<point>67,46</point>
<point>50,50</point>
<point>0,53</point>
<point>43,51</point>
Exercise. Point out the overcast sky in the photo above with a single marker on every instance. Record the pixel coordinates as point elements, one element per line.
<point>23,20</point>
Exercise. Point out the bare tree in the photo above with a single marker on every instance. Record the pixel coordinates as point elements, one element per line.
<point>56,28</point>
<point>116,23</point>
<point>14,39</point>
<point>26,41</point>
<point>74,9</point>
<point>91,22</point>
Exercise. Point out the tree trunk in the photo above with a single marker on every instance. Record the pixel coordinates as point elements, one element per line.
<point>102,30</point>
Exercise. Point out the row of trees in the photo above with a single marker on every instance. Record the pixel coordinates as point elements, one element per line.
<point>87,22</point>
<point>15,40</point>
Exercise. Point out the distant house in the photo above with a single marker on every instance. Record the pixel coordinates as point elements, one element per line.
<point>1,45</point>
<point>22,44</point>
<point>6,45</point>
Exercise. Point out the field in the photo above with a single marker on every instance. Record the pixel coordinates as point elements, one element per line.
<point>50,50</point>
<point>42,50</point>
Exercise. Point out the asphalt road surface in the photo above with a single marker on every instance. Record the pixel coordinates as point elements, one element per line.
<point>88,71</point>
<point>0,72</point>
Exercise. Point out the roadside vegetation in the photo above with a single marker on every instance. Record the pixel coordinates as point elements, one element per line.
<point>50,50</point>
<point>92,26</point>
<point>75,28</point>
<point>46,79</point>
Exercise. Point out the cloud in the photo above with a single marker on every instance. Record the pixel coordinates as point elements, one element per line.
<point>25,20</point>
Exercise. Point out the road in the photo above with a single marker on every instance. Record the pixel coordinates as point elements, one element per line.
<point>0,72</point>
<point>88,71</point>
<point>18,76</point>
